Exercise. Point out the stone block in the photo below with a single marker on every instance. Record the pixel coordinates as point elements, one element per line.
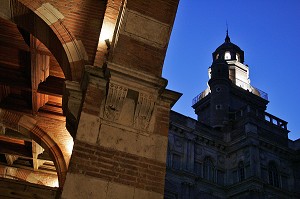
<point>139,193</point>
<point>80,186</point>
<point>118,191</point>
<point>88,128</point>
<point>153,146</point>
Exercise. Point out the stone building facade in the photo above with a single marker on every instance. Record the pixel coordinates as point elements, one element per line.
<point>235,149</point>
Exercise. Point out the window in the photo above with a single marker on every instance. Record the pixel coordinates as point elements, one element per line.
<point>227,55</point>
<point>176,161</point>
<point>208,169</point>
<point>237,57</point>
<point>198,168</point>
<point>273,174</point>
<point>241,171</point>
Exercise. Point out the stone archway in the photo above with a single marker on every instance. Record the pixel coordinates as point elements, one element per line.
<point>44,22</point>
<point>28,126</point>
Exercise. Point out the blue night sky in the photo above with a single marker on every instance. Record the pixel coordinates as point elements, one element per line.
<point>267,30</point>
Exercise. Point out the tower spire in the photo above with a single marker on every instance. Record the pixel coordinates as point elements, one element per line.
<point>227,39</point>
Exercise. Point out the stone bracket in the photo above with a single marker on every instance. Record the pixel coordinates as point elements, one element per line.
<point>144,110</point>
<point>114,101</point>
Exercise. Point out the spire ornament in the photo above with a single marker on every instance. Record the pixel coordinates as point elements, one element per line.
<point>227,39</point>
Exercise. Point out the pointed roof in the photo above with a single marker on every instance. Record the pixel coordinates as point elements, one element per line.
<point>227,39</point>
<point>228,46</point>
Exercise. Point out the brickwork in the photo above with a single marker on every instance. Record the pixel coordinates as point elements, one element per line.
<point>91,106</point>
<point>138,55</point>
<point>161,10</point>
<point>162,121</point>
<point>117,166</point>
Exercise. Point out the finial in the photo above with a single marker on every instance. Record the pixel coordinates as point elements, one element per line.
<point>227,39</point>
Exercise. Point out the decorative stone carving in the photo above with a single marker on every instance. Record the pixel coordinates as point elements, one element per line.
<point>114,101</point>
<point>143,111</point>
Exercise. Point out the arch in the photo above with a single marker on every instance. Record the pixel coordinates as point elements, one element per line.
<point>28,126</point>
<point>45,23</point>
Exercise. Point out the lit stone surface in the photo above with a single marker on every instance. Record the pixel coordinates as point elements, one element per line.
<point>27,122</point>
<point>143,194</point>
<point>153,146</point>
<point>88,128</point>
<point>75,51</point>
<point>146,29</point>
<point>118,191</point>
<point>78,186</point>
<point>5,9</point>
<point>48,13</point>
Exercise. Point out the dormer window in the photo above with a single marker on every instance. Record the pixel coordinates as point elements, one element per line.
<point>227,55</point>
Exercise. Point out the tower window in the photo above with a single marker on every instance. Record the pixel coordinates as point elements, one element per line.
<point>237,57</point>
<point>241,171</point>
<point>217,56</point>
<point>208,169</point>
<point>227,55</point>
<point>273,175</point>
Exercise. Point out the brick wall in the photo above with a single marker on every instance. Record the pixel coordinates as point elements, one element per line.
<point>117,166</point>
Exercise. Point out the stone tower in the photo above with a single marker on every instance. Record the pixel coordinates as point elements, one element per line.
<point>229,87</point>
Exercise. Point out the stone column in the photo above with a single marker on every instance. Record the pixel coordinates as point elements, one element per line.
<point>121,139</point>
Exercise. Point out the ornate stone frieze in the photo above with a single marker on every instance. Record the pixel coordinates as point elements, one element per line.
<point>144,110</point>
<point>114,101</point>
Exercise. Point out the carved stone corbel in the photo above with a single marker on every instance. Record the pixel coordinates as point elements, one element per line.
<point>143,111</point>
<point>114,101</point>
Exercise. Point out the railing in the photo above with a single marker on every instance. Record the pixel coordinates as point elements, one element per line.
<point>275,120</point>
<point>200,96</point>
<point>261,93</point>
<point>237,82</point>
<point>246,86</point>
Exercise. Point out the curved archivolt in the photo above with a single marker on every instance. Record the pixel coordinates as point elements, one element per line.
<point>28,127</point>
<point>45,22</point>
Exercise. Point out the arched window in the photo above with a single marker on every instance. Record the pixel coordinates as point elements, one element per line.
<point>237,57</point>
<point>241,171</point>
<point>227,55</point>
<point>273,174</point>
<point>208,169</point>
